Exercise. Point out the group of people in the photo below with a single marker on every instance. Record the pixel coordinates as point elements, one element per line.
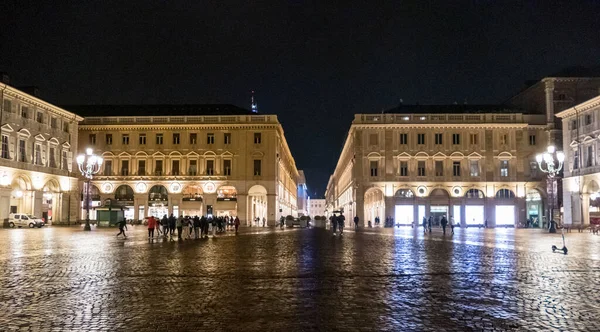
<point>187,227</point>
<point>338,223</point>
<point>428,223</point>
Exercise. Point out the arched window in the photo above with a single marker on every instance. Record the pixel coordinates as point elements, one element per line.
<point>474,193</point>
<point>158,193</point>
<point>124,193</point>
<point>505,193</point>
<point>404,193</point>
<point>227,193</point>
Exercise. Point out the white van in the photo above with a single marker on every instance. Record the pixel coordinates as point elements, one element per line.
<point>22,220</point>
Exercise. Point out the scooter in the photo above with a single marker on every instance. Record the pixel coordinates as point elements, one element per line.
<point>564,248</point>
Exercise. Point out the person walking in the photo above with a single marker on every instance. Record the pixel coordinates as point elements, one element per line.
<point>236,223</point>
<point>196,223</point>
<point>451,225</point>
<point>122,224</point>
<point>151,225</point>
<point>172,225</point>
<point>203,227</point>
<point>356,222</point>
<point>341,223</point>
<point>334,223</point>
<point>444,223</point>
<point>179,225</point>
<point>164,222</point>
<point>424,224</point>
<point>429,223</point>
<point>264,220</point>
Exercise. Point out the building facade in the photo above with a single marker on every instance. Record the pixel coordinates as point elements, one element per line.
<point>193,160</point>
<point>581,133</point>
<point>475,163</point>
<point>316,207</point>
<point>36,162</point>
<point>302,195</point>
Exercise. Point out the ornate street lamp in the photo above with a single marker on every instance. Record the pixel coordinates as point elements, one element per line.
<point>89,164</point>
<point>554,162</point>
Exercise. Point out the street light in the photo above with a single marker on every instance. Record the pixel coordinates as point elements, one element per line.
<point>89,164</point>
<point>552,169</point>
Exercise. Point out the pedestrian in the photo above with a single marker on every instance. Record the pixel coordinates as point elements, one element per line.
<point>172,225</point>
<point>179,225</point>
<point>122,224</point>
<point>356,222</point>
<point>334,223</point>
<point>203,227</point>
<point>444,223</point>
<point>190,223</point>
<point>429,224</point>
<point>236,224</point>
<point>451,225</point>
<point>264,220</point>
<point>165,225</point>
<point>424,224</point>
<point>196,223</point>
<point>341,223</point>
<point>151,225</point>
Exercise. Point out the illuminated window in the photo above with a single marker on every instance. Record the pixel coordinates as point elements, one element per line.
<point>456,168</point>
<point>193,168</point>
<point>227,193</point>
<point>227,167</point>
<point>504,168</point>
<point>108,167</point>
<point>210,167</point>
<point>474,167</point>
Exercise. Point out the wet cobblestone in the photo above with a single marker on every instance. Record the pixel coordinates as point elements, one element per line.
<point>63,279</point>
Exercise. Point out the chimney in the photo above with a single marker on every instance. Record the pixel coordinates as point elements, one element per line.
<point>4,78</point>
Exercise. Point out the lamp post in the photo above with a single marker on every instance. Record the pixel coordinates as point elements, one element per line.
<point>554,162</point>
<point>89,164</point>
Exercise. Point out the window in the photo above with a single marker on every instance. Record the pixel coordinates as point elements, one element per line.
<point>227,167</point>
<point>210,167</point>
<point>474,167</point>
<point>533,169</point>
<point>66,127</point>
<point>142,139</point>
<point>193,169</point>
<point>24,112</point>
<point>403,139</point>
<point>108,167</point>
<point>141,167</point>
<point>7,105</point>
<point>504,168</point>
<point>456,168</point>
<point>176,138</point>
<point>227,138</point>
<point>532,139</point>
<point>22,155</point>
<point>588,119</point>
<point>65,162</point>
<point>158,167</point>
<point>38,154</point>
<point>257,138</point>
<point>40,117</point>
<point>573,124</point>
<point>503,139</point>
<point>54,123</point>
<point>108,139</point>
<point>124,167</point>
<point>159,139</point>
<point>52,157</point>
<point>193,138</point>
<point>420,139</point>
<point>421,168</point>
<point>403,168</point>
<point>125,139</point>
<point>456,139</point>
<point>438,139</point>
<point>373,167</point>
<point>439,168</point>
<point>92,139</point>
<point>174,167</point>
<point>210,138</point>
<point>473,139</point>
<point>5,152</point>
<point>590,156</point>
<point>575,159</point>
<point>373,139</point>
<point>257,167</point>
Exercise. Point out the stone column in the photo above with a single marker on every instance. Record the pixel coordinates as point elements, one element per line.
<point>5,194</point>
<point>272,211</point>
<point>586,208</point>
<point>360,208</point>
<point>242,209</point>
<point>37,202</point>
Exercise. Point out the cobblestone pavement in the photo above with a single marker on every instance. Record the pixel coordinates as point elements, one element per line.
<point>64,279</point>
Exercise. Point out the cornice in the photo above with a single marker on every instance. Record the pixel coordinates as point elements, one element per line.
<point>582,107</point>
<point>22,96</point>
<point>440,125</point>
<point>128,127</point>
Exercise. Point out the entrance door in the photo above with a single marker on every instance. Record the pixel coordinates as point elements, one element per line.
<point>404,214</point>
<point>438,211</point>
<point>474,215</point>
<point>505,215</point>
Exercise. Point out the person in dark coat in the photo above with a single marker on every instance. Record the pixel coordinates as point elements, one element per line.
<point>444,223</point>
<point>430,223</point>
<point>172,224</point>
<point>356,222</point>
<point>122,224</point>
<point>424,224</point>
<point>196,226</point>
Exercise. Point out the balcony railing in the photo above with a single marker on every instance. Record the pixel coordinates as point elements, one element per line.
<point>180,119</point>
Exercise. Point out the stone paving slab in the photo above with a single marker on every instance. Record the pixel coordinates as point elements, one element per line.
<point>265,279</point>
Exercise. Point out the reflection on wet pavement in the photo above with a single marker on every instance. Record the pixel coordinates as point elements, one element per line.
<point>300,279</point>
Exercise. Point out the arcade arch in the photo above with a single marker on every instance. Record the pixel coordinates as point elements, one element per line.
<point>257,198</point>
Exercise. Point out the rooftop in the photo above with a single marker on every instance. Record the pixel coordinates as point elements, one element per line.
<point>156,110</point>
<point>451,109</point>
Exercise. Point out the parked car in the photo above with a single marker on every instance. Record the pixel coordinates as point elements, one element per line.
<point>22,220</point>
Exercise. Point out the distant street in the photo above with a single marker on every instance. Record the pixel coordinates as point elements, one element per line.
<point>265,279</point>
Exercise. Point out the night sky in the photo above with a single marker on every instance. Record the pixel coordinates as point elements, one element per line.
<point>314,65</point>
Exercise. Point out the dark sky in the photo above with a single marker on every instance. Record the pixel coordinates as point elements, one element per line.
<point>314,65</point>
